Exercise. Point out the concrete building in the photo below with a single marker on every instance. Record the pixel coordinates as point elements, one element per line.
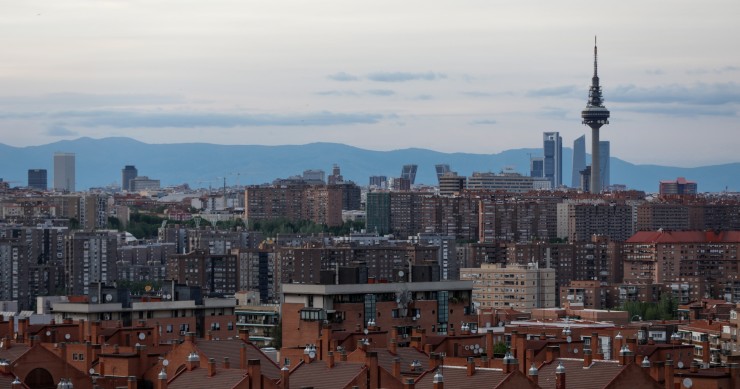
<point>537,167</point>
<point>216,274</point>
<point>409,172</point>
<point>91,257</point>
<point>450,183</point>
<point>505,181</point>
<point>605,164</point>
<point>579,161</point>
<point>520,287</point>
<point>64,172</point>
<point>441,170</point>
<point>140,183</point>
<point>320,204</point>
<point>128,173</point>
<point>578,221</point>
<point>680,186</point>
<point>552,147</point>
<point>37,179</point>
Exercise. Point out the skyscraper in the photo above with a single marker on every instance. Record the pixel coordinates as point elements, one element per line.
<point>604,163</point>
<point>553,148</point>
<point>536,167</point>
<point>64,172</point>
<point>441,169</point>
<point>128,173</point>
<point>37,179</point>
<point>595,115</point>
<point>409,172</point>
<point>579,161</point>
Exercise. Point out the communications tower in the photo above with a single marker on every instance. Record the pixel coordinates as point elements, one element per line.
<point>595,115</point>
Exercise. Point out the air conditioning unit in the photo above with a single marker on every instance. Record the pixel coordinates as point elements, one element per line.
<point>183,333</point>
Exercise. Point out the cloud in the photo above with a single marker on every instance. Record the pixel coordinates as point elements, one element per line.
<point>342,76</point>
<point>86,99</point>
<point>681,110</point>
<point>565,90</point>
<point>476,94</point>
<point>556,113</point>
<point>483,122</point>
<point>424,97</point>
<point>655,72</point>
<point>188,120</point>
<point>380,92</point>
<point>59,130</point>
<point>699,94</point>
<point>337,93</point>
<point>404,76</point>
<point>724,69</point>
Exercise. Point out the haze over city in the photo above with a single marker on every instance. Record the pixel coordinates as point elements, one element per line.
<point>473,77</point>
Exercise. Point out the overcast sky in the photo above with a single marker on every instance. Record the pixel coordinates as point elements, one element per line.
<point>453,76</point>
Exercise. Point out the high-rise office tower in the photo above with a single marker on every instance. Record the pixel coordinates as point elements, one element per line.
<point>553,148</point>
<point>409,172</point>
<point>595,115</point>
<point>128,173</point>
<point>579,161</point>
<point>441,169</point>
<point>64,172</point>
<point>37,179</point>
<point>536,167</point>
<point>604,164</point>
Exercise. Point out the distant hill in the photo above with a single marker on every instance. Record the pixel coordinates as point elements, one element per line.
<point>99,163</point>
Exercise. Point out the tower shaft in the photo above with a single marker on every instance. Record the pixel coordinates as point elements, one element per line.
<point>595,183</point>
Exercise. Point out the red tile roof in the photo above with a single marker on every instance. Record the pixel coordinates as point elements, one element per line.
<point>319,376</point>
<point>15,351</point>
<point>599,375</point>
<point>231,348</point>
<point>457,376</point>
<point>407,355</point>
<point>685,237</point>
<point>199,379</point>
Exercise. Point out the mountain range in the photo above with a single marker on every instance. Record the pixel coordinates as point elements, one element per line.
<point>99,163</point>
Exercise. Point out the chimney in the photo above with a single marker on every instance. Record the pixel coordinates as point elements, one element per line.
<point>471,366</point>
<point>534,374</point>
<point>254,371</point>
<point>343,356</point>
<point>16,384</point>
<point>510,363</point>
<point>595,349</point>
<point>560,376</point>
<point>11,325</point>
<point>394,333</point>
<point>489,344</point>
<point>161,379</point>
<point>438,380</point>
<point>734,370</point>
<point>285,378</point>
<point>397,367</point>
<point>81,330</point>
<point>6,342</point>
<point>392,346</point>
<point>706,353</point>
<point>330,359</point>
<point>23,328</point>
<point>694,367</point>
<point>657,369</point>
<point>361,345</point>
<point>131,382</point>
<point>95,332</point>
<point>543,336</point>
<point>427,348</point>
<point>651,341</point>
<point>587,358</point>
<point>190,337</point>
<point>552,353</point>
<point>244,334</point>
<point>434,361</point>
<point>193,361</point>
<point>668,374</point>
<point>373,370</point>
<point>209,335</point>
<point>101,367</point>
<point>227,364</point>
<point>243,357</point>
<point>33,340</point>
<point>211,367</point>
<point>408,383</point>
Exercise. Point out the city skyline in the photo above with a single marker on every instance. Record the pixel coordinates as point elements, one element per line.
<point>237,74</point>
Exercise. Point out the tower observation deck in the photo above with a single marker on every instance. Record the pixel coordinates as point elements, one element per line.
<point>595,115</point>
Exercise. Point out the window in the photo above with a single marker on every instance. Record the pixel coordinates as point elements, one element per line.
<point>169,328</point>
<point>230,326</point>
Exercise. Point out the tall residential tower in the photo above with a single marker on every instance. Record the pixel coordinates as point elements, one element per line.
<point>64,172</point>
<point>579,161</point>
<point>595,115</point>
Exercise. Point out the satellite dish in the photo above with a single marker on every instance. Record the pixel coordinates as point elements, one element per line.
<point>312,354</point>
<point>48,333</point>
<point>401,273</point>
<point>688,383</point>
<point>467,347</point>
<point>366,331</point>
<point>568,339</point>
<point>94,299</point>
<point>477,345</point>
<point>108,297</point>
<point>137,344</point>
<point>148,288</point>
<point>169,296</point>
<point>575,351</point>
<point>67,336</point>
<point>142,336</point>
<point>680,365</point>
<point>477,351</point>
<point>165,363</point>
<point>91,371</point>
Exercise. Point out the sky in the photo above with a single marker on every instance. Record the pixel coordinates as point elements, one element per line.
<point>452,76</point>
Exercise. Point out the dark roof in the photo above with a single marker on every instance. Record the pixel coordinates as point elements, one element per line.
<point>483,378</point>
<point>599,375</point>
<point>199,379</point>
<point>15,351</point>
<point>231,348</point>
<point>319,376</point>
